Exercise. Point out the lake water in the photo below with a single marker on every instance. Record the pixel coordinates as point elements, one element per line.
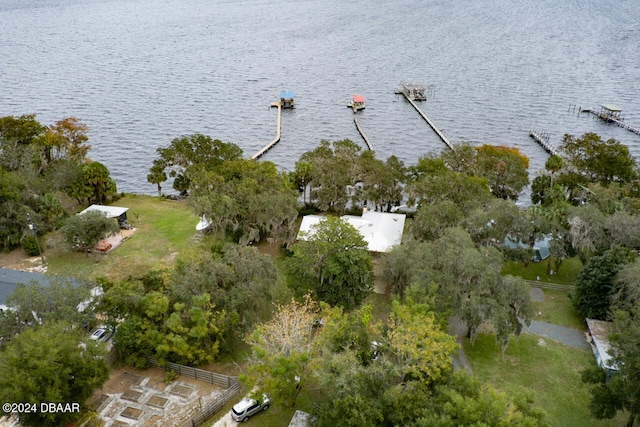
<point>142,72</point>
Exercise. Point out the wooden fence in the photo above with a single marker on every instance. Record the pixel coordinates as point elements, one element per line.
<point>221,380</point>
<point>552,286</point>
<point>210,409</point>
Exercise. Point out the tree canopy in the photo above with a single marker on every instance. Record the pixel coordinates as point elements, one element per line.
<point>333,263</point>
<point>51,363</point>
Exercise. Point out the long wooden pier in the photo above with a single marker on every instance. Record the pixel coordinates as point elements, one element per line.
<point>610,119</point>
<point>428,120</point>
<point>364,135</point>
<point>544,142</point>
<point>275,140</point>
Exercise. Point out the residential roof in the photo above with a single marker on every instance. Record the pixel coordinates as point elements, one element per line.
<point>599,331</point>
<point>9,279</point>
<point>287,94</point>
<point>109,211</point>
<point>381,230</point>
<point>358,98</point>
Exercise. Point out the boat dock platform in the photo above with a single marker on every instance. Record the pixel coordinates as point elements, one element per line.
<point>364,135</point>
<point>543,140</point>
<point>438,132</point>
<point>611,114</point>
<point>275,140</point>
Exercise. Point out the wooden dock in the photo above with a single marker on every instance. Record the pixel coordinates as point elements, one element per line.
<point>428,120</point>
<point>611,119</point>
<point>544,142</point>
<point>364,135</point>
<point>275,140</point>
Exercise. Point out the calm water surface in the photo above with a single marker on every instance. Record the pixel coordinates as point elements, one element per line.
<point>142,72</point>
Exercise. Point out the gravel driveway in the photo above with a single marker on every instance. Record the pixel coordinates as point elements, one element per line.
<point>568,336</point>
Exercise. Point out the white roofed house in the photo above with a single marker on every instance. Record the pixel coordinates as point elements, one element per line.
<point>381,230</point>
<point>599,340</point>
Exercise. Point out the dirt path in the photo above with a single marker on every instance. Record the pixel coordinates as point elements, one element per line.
<point>458,329</point>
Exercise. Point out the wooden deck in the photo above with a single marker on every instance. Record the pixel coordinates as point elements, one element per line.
<point>428,120</point>
<point>544,142</point>
<point>364,135</point>
<point>611,120</point>
<point>275,140</point>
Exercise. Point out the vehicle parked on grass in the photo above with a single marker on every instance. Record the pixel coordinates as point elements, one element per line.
<point>247,407</point>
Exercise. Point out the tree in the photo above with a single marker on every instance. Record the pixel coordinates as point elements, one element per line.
<point>334,169</point>
<point>188,151</point>
<point>592,296</point>
<point>245,199</point>
<point>57,301</point>
<point>619,392</point>
<point>625,294</point>
<point>51,363</point>
<point>282,350</point>
<point>460,278</point>
<point>504,168</point>
<point>238,278</point>
<point>95,184</point>
<point>418,347</point>
<point>87,229</point>
<point>381,182</point>
<point>333,264</point>
<point>157,174</point>
<point>595,160</point>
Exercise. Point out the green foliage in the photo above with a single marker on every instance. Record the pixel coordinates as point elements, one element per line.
<point>51,363</point>
<point>504,168</point>
<point>30,246</point>
<point>594,160</point>
<point>58,300</point>
<point>186,153</point>
<point>246,199</point>
<point>84,231</point>
<point>461,278</point>
<point>96,185</point>
<point>592,296</point>
<point>333,264</point>
<point>282,350</point>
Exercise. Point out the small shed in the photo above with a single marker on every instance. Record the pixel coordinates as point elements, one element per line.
<point>111,212</point>
<point>286,99</point>
<point>599,340</point>
<point>610,112</point>
<point>357,103</point>
<point>414,91</point>
<point>540,248</point>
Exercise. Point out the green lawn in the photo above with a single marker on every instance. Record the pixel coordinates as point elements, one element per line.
<point>566,275</point>
<point>164,229</point>
<point>557,309</point>
<point>551,371</point>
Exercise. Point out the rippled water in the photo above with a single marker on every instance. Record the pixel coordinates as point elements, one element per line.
<point>141,72</point>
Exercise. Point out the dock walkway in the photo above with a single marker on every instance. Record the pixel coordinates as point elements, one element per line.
<point>364,135</point>
<point>275,140</point>
<point>611,120</point>
<point>428,120</point>
<point>544,142</point>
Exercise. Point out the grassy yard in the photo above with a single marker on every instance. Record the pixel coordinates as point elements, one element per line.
<point>164,229</point>
<point>557,309</point>
<point>566,275</point>
<point>552,371</point>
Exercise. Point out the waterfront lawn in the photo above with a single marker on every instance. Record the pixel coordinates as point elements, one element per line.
<point>567,274</point>
<point>558,309</point>
<point>552,371</point>
<point>164,229</point>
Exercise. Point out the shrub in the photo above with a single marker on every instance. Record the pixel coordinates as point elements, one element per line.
<point>30,246</point>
